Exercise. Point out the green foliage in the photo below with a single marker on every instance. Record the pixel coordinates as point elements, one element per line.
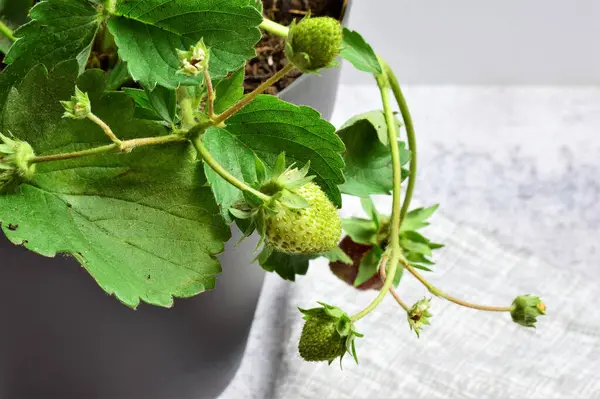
<point>142,224</point>
<point>60,30</point>
<point>267,127</point>
<point>148,32</point>
<point>367,156</point>
<point>356,50</point>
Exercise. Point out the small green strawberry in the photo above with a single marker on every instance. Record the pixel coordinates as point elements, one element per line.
<point>310,230</point>
<point>14,163</point>
<point>328,333</point>
<point>314,43</point>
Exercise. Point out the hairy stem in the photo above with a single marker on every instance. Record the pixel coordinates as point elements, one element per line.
<point>7,32</point>
<point>126,146</point>
<point>392,290</point>
<point>107,130</point>
<point>210,161</point>
<point>274,28</point>
<point>457,301</point>
<point>251,96</point>
<point>410,136</point>
<point>186,108</point>
<point>384,88</point>
<point>211,95</point>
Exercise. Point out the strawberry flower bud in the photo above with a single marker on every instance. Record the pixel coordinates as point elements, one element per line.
<point>418,315</point>
<point>14,163</point>
<point>79,107</point>
<point>195,60</point>
<point>525,310</point>
<point>314,43</point>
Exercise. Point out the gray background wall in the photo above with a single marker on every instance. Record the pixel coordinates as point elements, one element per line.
<point>483,41</point>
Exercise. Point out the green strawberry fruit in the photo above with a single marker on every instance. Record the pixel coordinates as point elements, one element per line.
<point>348,273</point>
<point>314,43</point>
<point>314,229</point>
<point>320,340</point>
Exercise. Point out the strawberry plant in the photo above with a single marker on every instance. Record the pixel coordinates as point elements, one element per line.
<point>139,170</point>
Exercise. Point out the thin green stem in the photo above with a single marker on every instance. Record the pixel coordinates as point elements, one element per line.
<point>382,274</point>
<point>7,32</point>
<point>107,130</point>
<point>274,28</point>
<point>384,88</point>
<point>212,162</point>
<point>110,5</point>
<point>410,136</point>
<point>211,94</point>
<point>186,108</point>
<point>125,146</point>
<point>435,291</point>
<point>228,113</point>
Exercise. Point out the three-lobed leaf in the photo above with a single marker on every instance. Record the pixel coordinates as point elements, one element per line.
<point>143,224</point>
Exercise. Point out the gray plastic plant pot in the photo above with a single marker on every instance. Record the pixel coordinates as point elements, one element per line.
<point>62,337</point>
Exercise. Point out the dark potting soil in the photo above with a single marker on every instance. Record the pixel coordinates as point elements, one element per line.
<point>270,50</point>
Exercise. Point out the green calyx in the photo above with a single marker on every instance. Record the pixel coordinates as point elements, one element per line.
<point>15,167</point>
<point>79,107</point>
<point>314,43</point>
<point>298,218</point>
<point>418,315</point>
<point>526,309</point>
<point>328,333</point>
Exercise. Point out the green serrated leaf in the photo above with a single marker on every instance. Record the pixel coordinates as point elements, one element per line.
<point>362,231</point>
<point>117,77</point>
<point>235,158</point>
<point>229,91</point>
<point>164,103</point>
<point>368,160</point>
<point>356,50</point>
<point>143,224</point>
<point>13,13</point>
<point>143,108</point>
<point>268,126</point>
<point>287,266</point>
<point>369,265</point>
<point>60,30</point>
<point>148,32</point>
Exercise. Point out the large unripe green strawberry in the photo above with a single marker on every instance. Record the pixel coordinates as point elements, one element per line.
<point>320,340</point>
<point>314,229</point>
<point>314,43</point>
<point>347,272</point>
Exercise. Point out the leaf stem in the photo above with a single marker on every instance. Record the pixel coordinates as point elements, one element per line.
<point>457,301</point>
<point>111,6</point>
<point>107,130</point>
<point>392,290</point>
<point>274,28</point>
<point>211,95</point>
<point>125,146</point>
<point>212,162</point>
<point>384,88</point>
<point>410,136</point>
<point>7,32</point>
<point>251,96</point>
